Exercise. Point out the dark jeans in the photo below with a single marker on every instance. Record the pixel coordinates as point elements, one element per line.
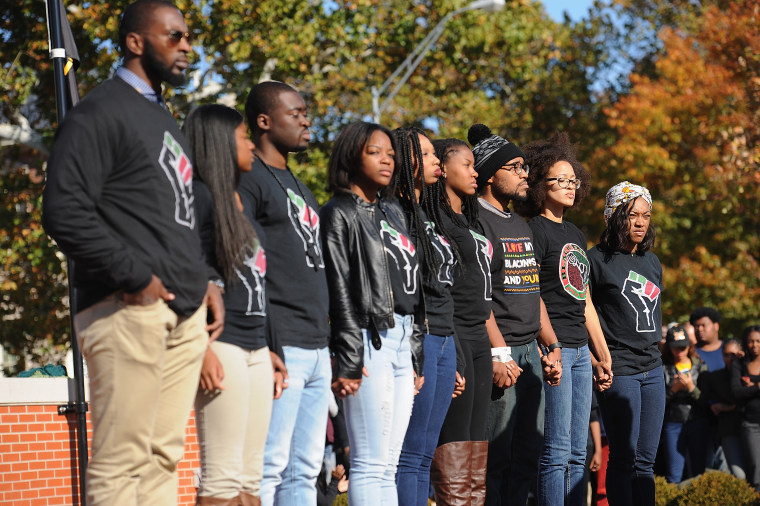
<point>690,439</point>
<point>466,419</point>
<point>515,432</point>
<point>751,441</point>
<point>632,411</point>
<point>430,407</point>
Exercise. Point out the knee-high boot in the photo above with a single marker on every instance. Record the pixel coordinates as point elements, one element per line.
<point>248,500</point>
<point>450,474</point>
<point>478,465</point>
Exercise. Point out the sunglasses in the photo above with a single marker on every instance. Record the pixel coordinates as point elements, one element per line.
<point>175,37</point>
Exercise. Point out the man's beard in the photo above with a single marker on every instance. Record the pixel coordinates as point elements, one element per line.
<point>513,196</point>
<point>153,66</point>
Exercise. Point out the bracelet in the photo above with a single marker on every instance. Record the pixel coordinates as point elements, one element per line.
<point>219,283</point>
<point>554,346</point>
<point>502,354</point>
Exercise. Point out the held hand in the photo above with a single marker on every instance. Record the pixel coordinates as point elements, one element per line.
<point>513,370</point>
<point>552,367</point>
<point>280,374</point>
<point>213,301</point>
<point>343,387</point>
<point>501,377</point>
<point>458,386</point>
<point>602,375</point>
<point>212,373</point>
<point>687,381</point>
<point>149,295</point>
<point>418,382</point>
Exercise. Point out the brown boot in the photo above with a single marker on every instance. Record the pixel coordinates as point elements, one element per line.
<point>248,500</point>
<point>450,474</point>
<point>478,464</point>
<point>203,500</point>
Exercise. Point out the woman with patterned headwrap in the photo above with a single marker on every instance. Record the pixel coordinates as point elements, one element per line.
<point>626,282</point>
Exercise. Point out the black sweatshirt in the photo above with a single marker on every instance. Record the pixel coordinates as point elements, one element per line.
<point>514,271</point>
<point>560,250</point>
<point>626,292</point>
<point>119,200</point>
<point>296,281</point>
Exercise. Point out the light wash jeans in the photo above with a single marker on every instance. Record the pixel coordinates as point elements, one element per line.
<point>296,439</point>
<point>378,415</point>
<point>566,421</point>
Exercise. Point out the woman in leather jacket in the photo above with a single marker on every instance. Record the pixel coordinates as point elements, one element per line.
<point>375,300</point>
<point>418,168</point>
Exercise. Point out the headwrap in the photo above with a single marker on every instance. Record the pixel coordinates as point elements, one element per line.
<point>622,193</point>
<point>490,152</point>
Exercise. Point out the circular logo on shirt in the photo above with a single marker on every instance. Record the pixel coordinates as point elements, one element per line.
<point>574,270</point>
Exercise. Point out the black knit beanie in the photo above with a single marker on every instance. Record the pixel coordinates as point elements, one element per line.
<point>491,152</point>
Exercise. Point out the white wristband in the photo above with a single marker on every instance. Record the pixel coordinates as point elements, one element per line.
<point>502,354</point>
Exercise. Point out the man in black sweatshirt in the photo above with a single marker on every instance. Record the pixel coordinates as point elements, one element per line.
<point>119,203</point>
<point>298,297</point>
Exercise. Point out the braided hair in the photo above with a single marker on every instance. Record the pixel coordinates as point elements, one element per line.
<point>443,149</point>
<point>408,161</point>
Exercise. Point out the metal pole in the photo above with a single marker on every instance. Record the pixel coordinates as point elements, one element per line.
<point>79,406</point>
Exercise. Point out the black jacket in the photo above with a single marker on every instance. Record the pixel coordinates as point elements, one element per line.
<point>359,280</point>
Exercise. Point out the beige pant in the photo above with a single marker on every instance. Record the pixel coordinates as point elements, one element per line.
<point>144,364</point>
<point>233,424</point>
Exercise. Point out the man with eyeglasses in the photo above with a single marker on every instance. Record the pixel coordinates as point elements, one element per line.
<point>516,414</point>
<point>119,202</point>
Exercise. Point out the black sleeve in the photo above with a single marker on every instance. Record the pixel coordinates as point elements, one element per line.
<point>346,336</point>
<point>81,160</point>
<point>740,391</point>
<point>204,218</point>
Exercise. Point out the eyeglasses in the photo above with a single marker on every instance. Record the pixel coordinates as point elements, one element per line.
<point>518,167</point>
<point>175,37</point>
<point>564,182</point>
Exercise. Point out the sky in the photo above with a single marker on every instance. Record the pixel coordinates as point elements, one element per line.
<point>577,9</point>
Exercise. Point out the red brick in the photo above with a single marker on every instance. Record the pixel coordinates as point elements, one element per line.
<point>9,419</point>
<point>28,436</point>
<point>37,447</point>
<point>63,473</point>
<point>56,482</point>
<point>26,418</point>
<point>11,438</point>
<point>35,427</point>
<point>58,500</point>
<point>35,409</point>
<point>45,473</point>
<point>46,436</point>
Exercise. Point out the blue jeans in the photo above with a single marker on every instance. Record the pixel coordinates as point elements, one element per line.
<point>296,438</point>
<point>428,413</point>
<point>378,415</point>
<point>515,431</point>
<point>566,422</point>
<point>632,410</point>
<point>681,440</point>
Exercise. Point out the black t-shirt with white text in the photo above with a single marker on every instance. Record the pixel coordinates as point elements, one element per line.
<point>564,271</point>
<point>439,303</point>
<point>514,272</point>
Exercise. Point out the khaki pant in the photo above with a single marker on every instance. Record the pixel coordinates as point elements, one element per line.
<point>233,423</point>
<point>144,364</point>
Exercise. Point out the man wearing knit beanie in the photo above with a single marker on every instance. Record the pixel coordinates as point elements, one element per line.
<point>516,414</point>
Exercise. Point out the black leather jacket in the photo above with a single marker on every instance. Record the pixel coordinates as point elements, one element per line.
<point>359,280</point>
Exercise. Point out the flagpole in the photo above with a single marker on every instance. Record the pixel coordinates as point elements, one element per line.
<point>79,406</point>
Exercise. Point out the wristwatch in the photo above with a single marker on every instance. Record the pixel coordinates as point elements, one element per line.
<point>554,346</point>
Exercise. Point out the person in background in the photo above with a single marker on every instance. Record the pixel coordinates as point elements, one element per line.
<point>234,401</point>
<point>119,203</point>
<point>686,428</point>
<point>745,385</point>
<point>706,322</point>
<point>375,308</point>
<point>726,429</point>
<point>557,182</point>
<point>626,284</point>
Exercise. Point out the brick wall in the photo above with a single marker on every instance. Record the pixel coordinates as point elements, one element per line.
<point>38,463</point>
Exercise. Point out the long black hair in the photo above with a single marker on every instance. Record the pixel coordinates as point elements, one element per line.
<point>617,233</point>
<point>409,160</point>
<point>346,155</point>
<point>210,131</point>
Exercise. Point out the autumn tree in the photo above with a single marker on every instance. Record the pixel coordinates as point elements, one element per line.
<point>690,131</point>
